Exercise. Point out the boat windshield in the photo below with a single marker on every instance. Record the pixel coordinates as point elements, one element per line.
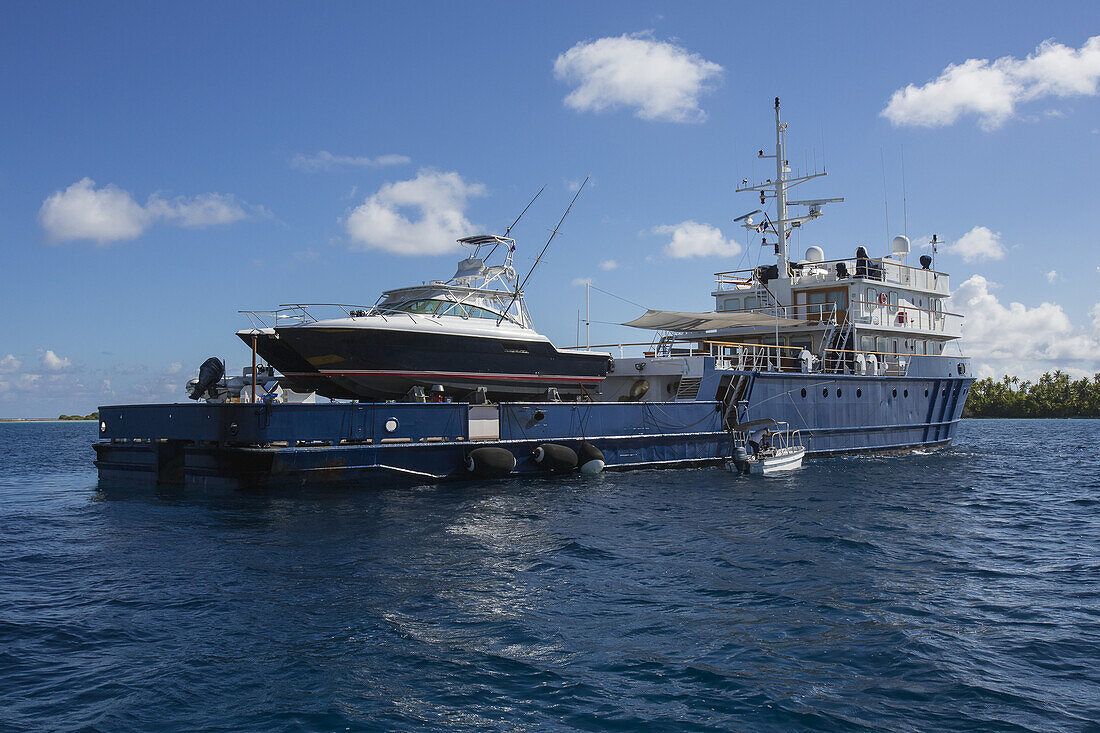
<point>432,306</point>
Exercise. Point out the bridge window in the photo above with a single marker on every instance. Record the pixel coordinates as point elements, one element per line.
<point>750,302</point>
<point>801,342</point>
<point>731,304</point>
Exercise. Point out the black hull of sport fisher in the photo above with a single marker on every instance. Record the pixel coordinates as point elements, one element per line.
<point>380,364</point>
<point>301,376</point>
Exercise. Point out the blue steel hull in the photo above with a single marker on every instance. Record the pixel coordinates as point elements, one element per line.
<point>855,414</point>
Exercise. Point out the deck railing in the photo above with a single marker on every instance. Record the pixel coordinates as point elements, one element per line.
<point>771,358</point>
<point>881,269</point>
<point>301,313</point>
<point>897,315</point>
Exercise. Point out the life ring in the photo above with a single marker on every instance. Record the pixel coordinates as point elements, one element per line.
<point>902,316</point>
<point>883,298</point>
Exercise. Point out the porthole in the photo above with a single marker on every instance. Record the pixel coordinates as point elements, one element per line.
<point>926,393</point>
<point>838,391</point>
<point>803,393</point>
<point>905,393</point>
<point>945,391</point>
<point>859,392</point>
<point>894,393</point>
<point>391,424</point>
<point>825,392</point>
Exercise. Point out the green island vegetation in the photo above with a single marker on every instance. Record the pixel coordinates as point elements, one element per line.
<point>89,416</point>
<point>1054,395</point>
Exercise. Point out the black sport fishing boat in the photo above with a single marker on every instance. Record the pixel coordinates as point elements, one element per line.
<point>472,331</point>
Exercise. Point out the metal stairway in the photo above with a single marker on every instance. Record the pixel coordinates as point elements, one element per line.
<point>833,340</point>
<point>689,388</point>
<point>735,393</point>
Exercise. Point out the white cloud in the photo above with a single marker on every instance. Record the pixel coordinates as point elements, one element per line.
<point>81,211</point>
<point>54,363</point>
<point>660,80</point>
<point>110,214</point>
<point>692,239</point>
<point>9,364</point>
<point>439,202</point>
<point>978,244</point>
<point>1015,339</point>
<point>609,265</point>
<point>205,210</point>
<point>326,161</point>
<point>582,281</point>
<point>991,90</point>
<point>1052,276</point>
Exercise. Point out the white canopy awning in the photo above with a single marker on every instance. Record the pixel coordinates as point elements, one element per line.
<point>682,321</point>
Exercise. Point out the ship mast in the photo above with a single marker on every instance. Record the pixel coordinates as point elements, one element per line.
<point>781,169</point>
<point>783,224</point>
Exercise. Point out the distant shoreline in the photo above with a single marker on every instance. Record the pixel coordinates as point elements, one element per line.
<point>43,419</point>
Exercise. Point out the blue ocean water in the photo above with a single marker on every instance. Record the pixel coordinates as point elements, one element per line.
<point>954,590</point>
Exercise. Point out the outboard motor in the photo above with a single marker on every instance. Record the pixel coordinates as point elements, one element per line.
<point>210,373</point>
<point>741,459</point>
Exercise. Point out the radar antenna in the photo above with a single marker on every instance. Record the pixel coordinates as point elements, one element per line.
<point>782,224</point>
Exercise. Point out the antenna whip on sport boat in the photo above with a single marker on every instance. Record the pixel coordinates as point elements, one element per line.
<point>513,224</point>
<point>519,288</point>
<point>525,208</point>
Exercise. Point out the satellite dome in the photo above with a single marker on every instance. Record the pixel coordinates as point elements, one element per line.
<point>900,245</point>
<point>815,254</point>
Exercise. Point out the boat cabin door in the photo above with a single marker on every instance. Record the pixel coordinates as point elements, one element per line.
<point>819,305</point>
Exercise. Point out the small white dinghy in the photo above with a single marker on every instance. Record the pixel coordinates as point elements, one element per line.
<point>765,447</point>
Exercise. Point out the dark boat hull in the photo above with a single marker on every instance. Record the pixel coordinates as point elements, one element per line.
<point>385,364</point>
<point>297,371</point>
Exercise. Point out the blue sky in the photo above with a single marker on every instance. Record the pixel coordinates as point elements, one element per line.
<point>161,167</point>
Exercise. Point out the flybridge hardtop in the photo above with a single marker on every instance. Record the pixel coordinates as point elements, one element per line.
<point>476,290</point>
<point>459,335</point>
